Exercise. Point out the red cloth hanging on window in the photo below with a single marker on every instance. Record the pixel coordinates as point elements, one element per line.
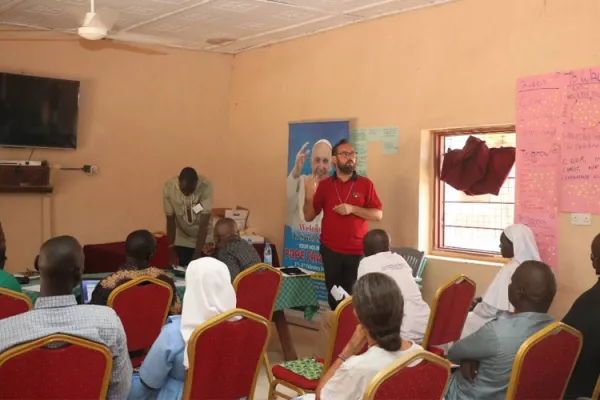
<point>500,163</point>
<point>475,169</point>
<point>462,168</point>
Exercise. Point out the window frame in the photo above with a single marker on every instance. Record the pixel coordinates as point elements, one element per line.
<point>438,190</point>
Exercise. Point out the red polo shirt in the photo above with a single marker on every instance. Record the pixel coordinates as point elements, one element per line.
<point>344,233</point>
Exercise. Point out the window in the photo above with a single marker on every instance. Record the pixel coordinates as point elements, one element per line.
<point>472,224</point>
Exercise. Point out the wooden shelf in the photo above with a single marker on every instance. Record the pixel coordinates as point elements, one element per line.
<point>26,189</point>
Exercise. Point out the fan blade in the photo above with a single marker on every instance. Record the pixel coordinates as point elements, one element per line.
<point>15,39</point>
<point>141,39</point>
<point>99,45</point>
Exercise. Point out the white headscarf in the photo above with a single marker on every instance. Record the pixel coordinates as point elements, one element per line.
<point>208,293</point>
<point>525,249</point>
<point>523,240</point>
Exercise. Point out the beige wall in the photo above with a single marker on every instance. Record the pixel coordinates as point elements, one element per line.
<point>142,118</point>
<point>448,66</point>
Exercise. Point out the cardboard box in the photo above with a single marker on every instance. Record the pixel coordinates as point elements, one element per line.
<point>239,214</point>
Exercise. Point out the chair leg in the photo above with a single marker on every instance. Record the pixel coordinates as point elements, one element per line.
<point>268,368</point>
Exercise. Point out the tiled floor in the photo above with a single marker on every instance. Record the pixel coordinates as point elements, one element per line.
<point>304,341</point>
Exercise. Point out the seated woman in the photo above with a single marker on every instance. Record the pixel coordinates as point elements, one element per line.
<point>379,307</point>
<point>517,243</point>
<point>208,293</point>
<point>139,250</point>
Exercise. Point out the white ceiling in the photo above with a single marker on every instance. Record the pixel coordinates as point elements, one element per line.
<point>191,23</point>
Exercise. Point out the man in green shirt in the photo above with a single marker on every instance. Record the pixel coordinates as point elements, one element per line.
<point>7,281</point>
<point>187,201</point>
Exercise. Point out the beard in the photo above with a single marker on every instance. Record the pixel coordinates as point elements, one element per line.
<point>346,169</point>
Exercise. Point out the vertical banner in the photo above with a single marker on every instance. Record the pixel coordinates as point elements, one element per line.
<point>309,158</point>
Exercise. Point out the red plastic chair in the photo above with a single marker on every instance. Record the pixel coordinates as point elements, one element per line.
<point>544,363</point>
<point>342,328</point>
<point>143,305</point>
<point>449,312</point>
<point>418,375</point>
<point>256,289</point>
<point>13,303</point>
<point>77,369</point>
<point>234,348</point>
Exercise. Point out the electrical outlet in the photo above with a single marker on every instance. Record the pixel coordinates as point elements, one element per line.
<point>581,219</point>
<point>91,169</point>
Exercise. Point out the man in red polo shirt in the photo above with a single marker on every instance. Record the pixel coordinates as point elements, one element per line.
<point>348,202</point>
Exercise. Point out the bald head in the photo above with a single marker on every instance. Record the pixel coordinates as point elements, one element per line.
<point>225,228</point>
<point>532,287</point>
<point>596,254</point>
<point>60,263</point>
<point>376,241</point>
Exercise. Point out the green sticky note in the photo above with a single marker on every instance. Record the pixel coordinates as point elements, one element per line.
<point>389,140</point>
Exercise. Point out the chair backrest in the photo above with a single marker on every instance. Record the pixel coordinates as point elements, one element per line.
<point>13,303</point>
<point>55,367</point>
<point>143,305</point>
<point>596,394</point>
<point>257,288</point>
<point>342,327</point>
<point>413,257</point>
<point>449,311</point>
<point>161,254</point>
<point>418,375</point>
<point>544,363</point>
<point>234,348</point>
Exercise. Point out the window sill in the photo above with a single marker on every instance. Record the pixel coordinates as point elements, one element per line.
<point>483,261</point>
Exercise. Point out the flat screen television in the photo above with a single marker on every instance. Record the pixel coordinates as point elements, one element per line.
<point>38,112</point>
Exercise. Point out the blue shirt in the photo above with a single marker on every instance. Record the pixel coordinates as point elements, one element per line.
<point>495,346</point>
<point>162,368</point>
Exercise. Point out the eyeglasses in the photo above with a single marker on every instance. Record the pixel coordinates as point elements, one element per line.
<point>594,258</point>
<point>347,154</point>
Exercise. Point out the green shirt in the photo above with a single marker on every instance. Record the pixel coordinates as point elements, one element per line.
<point>7,281</point>
<point>175,203</point>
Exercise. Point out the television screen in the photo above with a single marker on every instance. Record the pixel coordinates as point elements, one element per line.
<point>38,112</point>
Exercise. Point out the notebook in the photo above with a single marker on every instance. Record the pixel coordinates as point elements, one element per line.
<point>87,288</point>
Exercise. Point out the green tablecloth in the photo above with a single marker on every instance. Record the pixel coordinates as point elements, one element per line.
<point>295,292</point>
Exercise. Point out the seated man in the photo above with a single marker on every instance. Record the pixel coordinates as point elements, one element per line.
<point>379,258</point>
<point>231,249</point>
<point>584,316</point>
<point>7,281</point>
<point>60,264</point>
<point>486,357</point>
<point>139,249</point>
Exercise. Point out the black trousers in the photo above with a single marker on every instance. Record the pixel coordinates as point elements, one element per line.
<point>184,255</point>
<point>340,270</point>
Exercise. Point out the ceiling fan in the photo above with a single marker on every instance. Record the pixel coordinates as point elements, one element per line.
<point>97,26</point>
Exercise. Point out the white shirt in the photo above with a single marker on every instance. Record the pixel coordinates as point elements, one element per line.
<point>350,381</point>
<point>416,311</point>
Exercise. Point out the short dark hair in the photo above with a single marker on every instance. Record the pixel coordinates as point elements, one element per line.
<point>379,307</point>
<point>376,241</point>
<point>338,144</point>
<point>140,245</point>
<point>188,174</point>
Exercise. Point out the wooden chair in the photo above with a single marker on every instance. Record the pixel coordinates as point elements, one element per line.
<point>449,311</point>
<point>256,289</point>
<point>143,305</point>
<point>544,363</point>
<point>13,303</point>
<point>343,326</point>
<point>418,375</point>
<point>233,343</point>
<point>64,367</point>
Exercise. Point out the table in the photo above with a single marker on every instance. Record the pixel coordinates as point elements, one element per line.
<point>109,257</point>
<point>296,292</point>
